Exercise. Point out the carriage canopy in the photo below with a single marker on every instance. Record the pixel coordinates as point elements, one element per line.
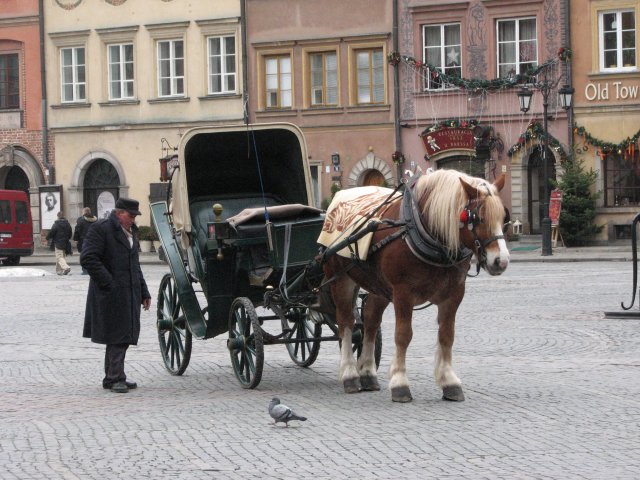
<point>265,162</point>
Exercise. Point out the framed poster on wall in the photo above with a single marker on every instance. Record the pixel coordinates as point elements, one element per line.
<point>50,205</point>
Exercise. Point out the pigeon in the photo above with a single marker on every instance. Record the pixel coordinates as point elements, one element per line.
<point>282,413</point>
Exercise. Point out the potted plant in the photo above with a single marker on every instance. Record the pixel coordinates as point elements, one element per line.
<point>145,238</point>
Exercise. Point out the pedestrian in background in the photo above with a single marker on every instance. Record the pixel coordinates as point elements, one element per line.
<point>60,238</point>
<point>117,289</point>
<point>82,226</point>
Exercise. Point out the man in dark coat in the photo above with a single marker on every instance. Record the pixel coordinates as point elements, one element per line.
<point>116,290</point>
<point>60,236</point>
<point>82,226</point>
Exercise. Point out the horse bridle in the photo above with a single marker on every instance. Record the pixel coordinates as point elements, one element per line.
<point>470,217</point>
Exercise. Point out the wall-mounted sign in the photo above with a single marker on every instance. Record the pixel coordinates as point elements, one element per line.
<point>610,91</point>
<point>448,138</point>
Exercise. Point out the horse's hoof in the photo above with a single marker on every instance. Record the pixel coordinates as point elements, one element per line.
<point>401,394</point>
<point>453,393</point>
<point>352,385</point>
<point>369,383</point>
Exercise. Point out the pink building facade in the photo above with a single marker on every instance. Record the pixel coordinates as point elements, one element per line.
<point>323,66</point>
<point>469,118</point>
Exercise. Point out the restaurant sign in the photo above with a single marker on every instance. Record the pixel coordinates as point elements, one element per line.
<point>443,139</point>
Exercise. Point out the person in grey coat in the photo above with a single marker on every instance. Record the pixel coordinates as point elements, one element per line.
<point>117,289</point>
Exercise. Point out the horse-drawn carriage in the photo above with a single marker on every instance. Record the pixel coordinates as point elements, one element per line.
<point>237,226</point>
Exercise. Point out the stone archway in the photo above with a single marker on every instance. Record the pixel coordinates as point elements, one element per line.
<point>520,182</point>
<point>16,156</point>
<point>366,168</point>
<point>76,189</point>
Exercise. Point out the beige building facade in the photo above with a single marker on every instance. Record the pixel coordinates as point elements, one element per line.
<point>607,107</point>
<point>126,79</point>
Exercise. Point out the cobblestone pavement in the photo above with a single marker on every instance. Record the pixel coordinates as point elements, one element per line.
<point>552,387</point>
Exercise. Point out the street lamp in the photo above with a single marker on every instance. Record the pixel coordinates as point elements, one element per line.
<point>545,85</point>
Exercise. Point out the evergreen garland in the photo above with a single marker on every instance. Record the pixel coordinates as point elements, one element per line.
<point>535,130</point>
<point>626,147</point>
<point>477,84</point>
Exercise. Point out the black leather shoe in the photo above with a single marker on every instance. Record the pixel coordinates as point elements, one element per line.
<point>130,385</point>
<point>119,387</point>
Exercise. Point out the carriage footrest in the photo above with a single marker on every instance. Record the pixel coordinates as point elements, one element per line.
<point>257,279</point>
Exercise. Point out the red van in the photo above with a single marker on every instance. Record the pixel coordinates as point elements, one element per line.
<point>16,227</point>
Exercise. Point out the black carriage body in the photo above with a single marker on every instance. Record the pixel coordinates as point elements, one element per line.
<point>241,168</point>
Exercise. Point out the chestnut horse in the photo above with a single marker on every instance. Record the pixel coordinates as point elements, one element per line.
<point>420,252</point>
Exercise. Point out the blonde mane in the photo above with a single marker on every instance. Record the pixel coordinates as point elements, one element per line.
<point>442,199</point>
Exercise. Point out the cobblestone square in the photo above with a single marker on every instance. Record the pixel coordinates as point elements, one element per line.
<point>552,391</point>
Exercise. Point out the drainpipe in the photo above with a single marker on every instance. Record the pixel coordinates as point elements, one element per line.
<point>396,90</point>
<point>245,73</point>
<point>49,174</point>
<point>567,29</point>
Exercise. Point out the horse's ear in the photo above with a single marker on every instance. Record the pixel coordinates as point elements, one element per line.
<point>472,192</point>
<point>500,181</point>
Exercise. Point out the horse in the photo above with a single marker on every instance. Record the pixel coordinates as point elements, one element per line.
<point>420,251</point>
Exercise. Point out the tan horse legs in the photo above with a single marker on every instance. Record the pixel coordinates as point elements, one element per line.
<point>443,372</point>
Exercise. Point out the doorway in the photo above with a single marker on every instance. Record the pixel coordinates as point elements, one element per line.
<point>101,187</point>
<point>535,187</point>
<point>373,178</point>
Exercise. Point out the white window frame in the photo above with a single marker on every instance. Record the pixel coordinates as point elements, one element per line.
<point>224,73</point>
<point>443,54</point>
<point>281,78</point>
<point>77,85</point>
<point>121,70</point>
<point>620,66</point>
<point>174,78</point>
<point>518,61</point>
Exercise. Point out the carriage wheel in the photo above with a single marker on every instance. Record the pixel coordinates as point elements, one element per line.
<point>305,325</point>
<point>357,346</point>
<point>245,343</point>
<point>173,334</point>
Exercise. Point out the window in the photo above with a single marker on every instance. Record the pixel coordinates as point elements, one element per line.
<point>74,82</point>
<point>120,71</point>
<point>9,81</point>
<point>170,68</point>
<point>222,64</point>
<point>278,81</point>
<point>517,46</point>
<point>22,216</point>
<point>324,79</point>
<point>622,180</point>
<point>617,40</point>
<point>469,165</point>
<point>441,49</point>
<point>370,76</point>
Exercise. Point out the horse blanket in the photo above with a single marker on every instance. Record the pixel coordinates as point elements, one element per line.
<point>348,213</point>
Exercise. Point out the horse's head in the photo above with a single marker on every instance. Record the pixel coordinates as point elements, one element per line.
<point>482,221</point>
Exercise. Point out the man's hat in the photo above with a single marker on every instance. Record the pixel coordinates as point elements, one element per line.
<point>128,204</point>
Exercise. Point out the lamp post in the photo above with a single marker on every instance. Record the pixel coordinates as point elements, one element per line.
<point>545,85</point>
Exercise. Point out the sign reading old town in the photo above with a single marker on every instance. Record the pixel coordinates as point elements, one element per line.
<point>610,91</point>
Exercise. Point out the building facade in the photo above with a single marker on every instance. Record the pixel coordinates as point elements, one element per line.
<point>126,79</point>
<point>461,65</point>
<point>24,145</point>
<point>323,67</point>
<point>607,107</point>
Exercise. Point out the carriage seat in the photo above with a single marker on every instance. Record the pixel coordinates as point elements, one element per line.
<point>250,222</point>
<point>202,212</point>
